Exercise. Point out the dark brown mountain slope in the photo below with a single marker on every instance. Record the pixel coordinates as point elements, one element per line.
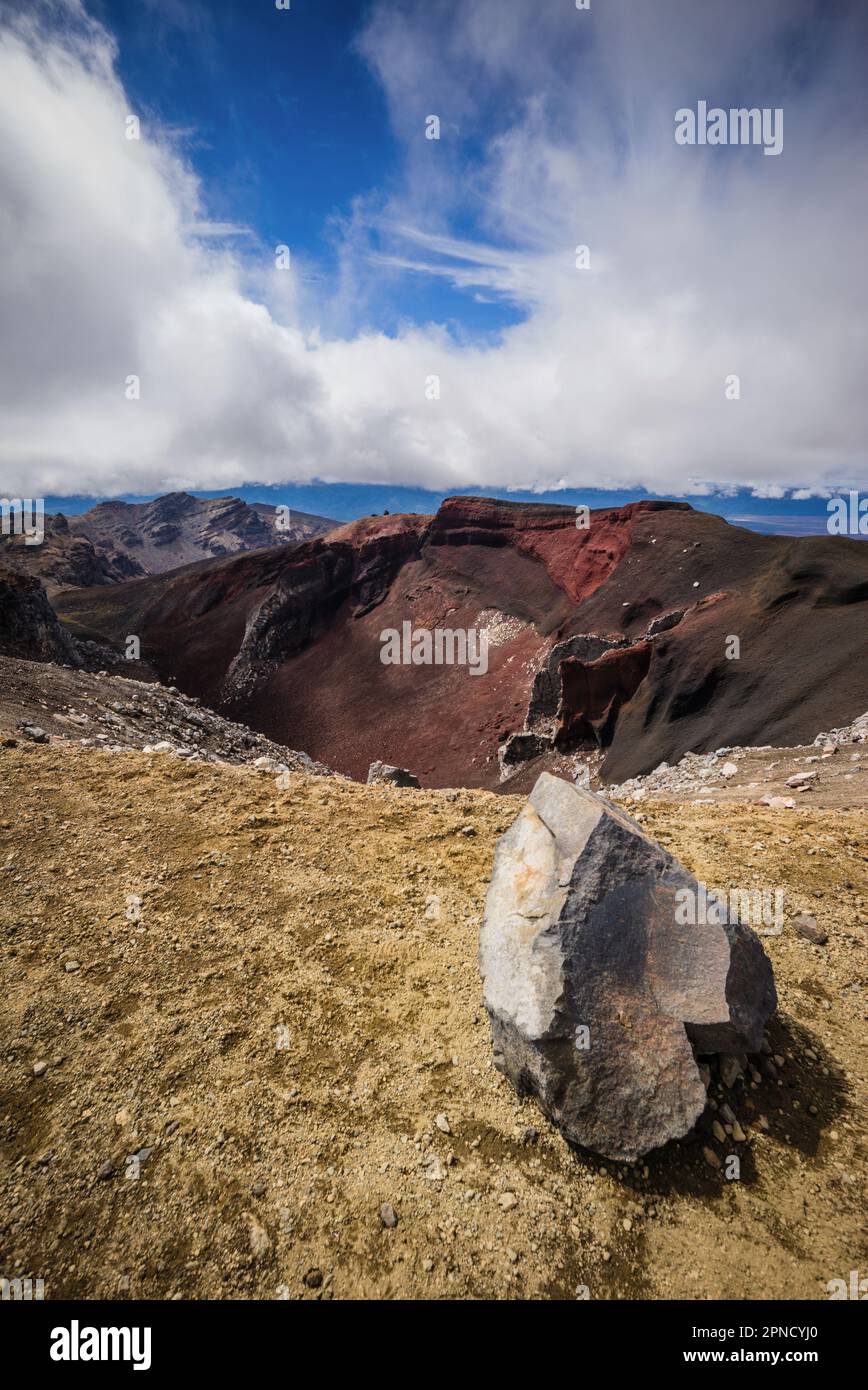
<point>28,624</point>
<point>615,637</point>
<point>66,560</point>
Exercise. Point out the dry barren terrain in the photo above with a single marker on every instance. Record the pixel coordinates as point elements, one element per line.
<point>243,1053</point>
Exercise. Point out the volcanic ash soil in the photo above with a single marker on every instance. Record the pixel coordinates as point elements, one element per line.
<point>243,1053</point>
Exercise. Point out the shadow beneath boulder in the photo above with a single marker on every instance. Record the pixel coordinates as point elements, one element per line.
<point>793,1101</point>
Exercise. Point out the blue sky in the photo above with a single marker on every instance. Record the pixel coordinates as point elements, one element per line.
<point>273,103</point>
<point>434,332</point>
<point>288,128</point>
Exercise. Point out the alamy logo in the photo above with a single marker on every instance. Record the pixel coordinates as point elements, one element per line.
<point>839,1288</point>
<point>22,1290</point>
<point>23,517</point>
<point>738,126</point>
<point>760,908</point>
<point>848,516</point>
<point>442,647</point>
<point>77,1343</point>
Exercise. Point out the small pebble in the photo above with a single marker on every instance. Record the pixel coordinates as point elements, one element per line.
<point>808,927</point>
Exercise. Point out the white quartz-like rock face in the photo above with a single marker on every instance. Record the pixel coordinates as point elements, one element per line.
<point>599,995</point>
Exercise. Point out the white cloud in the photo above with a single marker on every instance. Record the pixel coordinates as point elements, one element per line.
<point>700,268</point>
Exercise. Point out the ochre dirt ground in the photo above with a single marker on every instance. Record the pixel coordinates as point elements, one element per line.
<point>298,1005</point>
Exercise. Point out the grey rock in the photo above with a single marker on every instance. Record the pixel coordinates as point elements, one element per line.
<point>34,733</point>
<point>809,928</point>
<point>520,748</point>
<point>800,779</point>
<point>665,622</point>
<point>731,1070</point>
<point>857,732</point>
<point>598,997</point>
<point>388,1216</point>
<point>380,774</point>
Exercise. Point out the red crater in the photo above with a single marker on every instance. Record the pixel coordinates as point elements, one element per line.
<point>615,636</point>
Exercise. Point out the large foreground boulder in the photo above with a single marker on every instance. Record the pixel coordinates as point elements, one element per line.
<point>599,996</point>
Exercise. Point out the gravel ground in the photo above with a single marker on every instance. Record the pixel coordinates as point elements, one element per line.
<point>243,1053</point>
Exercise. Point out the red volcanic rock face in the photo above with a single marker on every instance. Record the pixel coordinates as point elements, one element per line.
<point>615,635</point>
<point>577,560</point>
<point>594,691</point>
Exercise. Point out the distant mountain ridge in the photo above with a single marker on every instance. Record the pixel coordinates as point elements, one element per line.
<point>116,541</point>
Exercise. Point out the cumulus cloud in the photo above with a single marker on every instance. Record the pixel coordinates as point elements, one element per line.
<point>704,263</point>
